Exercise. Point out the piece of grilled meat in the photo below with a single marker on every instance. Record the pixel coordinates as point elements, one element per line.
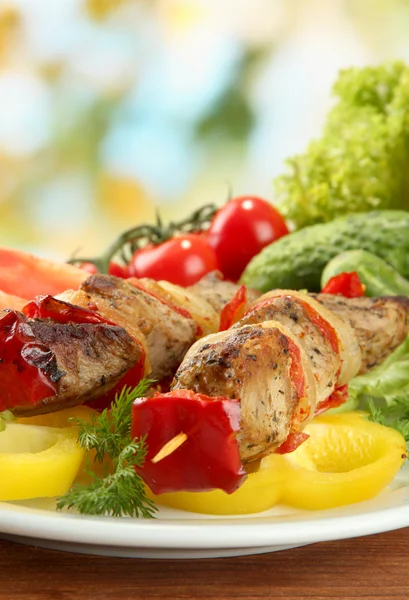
<point>217,291</point>
<point>82,361</point>
<point>380,324</point>
<point>165,333</point>
<point>294,314</point>
<point>253,363</point>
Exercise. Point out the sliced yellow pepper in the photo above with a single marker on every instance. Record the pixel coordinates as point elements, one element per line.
<point>61,418</point>
<point>260,491</point>
<point>67,418</point>
<point>347,459</point>
<point>37,462</point>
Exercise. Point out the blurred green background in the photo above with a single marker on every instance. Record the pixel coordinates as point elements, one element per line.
<point>113,108</point>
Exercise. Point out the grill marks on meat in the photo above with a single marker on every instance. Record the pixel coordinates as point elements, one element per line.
<point>380,324</point>
<point>167,333</point>
<point>253,364</point>
<point>290,312</point>
<point>83,361</point>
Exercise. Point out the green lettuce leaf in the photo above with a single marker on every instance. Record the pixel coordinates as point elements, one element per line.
<point>384,391</point>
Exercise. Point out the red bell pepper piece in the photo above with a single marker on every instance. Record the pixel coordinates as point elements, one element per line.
<point>234,309</point>
<point>48,307</point>
<point>208,459</point>
<point>338,397</point>
<point>294,439</point>
<point>28,367</point>
<point>130,379</point>
<point>346,284</point>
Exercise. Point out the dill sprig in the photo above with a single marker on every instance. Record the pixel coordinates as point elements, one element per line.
<point>393,415</point>
<point>120,492</point>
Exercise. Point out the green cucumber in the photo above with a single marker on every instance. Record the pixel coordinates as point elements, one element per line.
<point>297,260</point>
<point>379,278</point>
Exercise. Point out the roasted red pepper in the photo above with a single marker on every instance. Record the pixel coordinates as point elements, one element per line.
<point>346,284</point>
<point>28,367</point>
<point>234,309</point>
<point>338,397</point>
<point>48,307</point>
<point>209,456</point>
<point>130,379</point>
<point>295,439</point>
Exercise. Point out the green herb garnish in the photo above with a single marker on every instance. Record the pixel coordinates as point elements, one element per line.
<point>394,415</point>
<point>120,492</point>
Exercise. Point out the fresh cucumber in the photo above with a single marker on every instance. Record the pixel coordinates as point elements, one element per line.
<point>297,260</point>
<point>379,278</point>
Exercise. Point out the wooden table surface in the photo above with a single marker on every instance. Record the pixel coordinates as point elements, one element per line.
<point>375,566</point>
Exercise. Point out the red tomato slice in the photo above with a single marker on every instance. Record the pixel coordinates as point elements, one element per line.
<point>25,275</point>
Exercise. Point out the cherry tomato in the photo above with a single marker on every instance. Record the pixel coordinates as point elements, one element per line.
<point>240,229</point>
<point>182,260</point>
<point>89,267</point>
<point>118,270</point>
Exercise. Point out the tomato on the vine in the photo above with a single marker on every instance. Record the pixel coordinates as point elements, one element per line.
<point>89,267</point>
<point>240,229</point>
<point>182,260</point>
<point>114,268</point>
<point>118,270</point>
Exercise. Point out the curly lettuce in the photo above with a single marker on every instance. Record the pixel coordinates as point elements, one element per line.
<point>384,391</point>
<point>361,162</point>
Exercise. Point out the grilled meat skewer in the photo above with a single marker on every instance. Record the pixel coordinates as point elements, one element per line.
<point>256,362</point>
<point>72,362</point>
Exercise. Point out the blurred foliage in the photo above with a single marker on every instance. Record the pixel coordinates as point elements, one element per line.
<point>80,143</point>
<point>232,116</point>
<point>111,79</point>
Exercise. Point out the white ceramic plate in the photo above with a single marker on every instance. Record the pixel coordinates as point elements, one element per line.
<point>177,534</point>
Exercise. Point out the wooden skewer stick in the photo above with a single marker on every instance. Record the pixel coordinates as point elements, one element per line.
<point>170,447</point>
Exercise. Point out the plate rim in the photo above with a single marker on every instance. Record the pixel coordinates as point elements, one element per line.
<point>197,533</point>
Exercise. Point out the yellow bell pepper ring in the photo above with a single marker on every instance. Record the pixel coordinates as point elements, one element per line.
<point>37,462</point>
<point>62,418</point>
<point>347,459</point>
<point>260,491</point>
